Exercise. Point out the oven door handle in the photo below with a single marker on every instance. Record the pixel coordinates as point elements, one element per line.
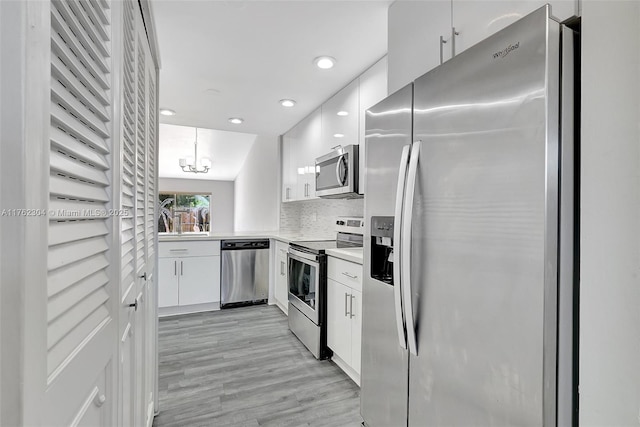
<point>304,258</point>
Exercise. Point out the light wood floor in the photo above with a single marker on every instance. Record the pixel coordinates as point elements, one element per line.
<point>243,367</point>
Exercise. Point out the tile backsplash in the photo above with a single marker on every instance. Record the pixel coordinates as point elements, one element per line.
<point>317,217</point>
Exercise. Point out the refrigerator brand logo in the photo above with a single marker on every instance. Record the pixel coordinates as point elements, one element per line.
<point>506,51</point>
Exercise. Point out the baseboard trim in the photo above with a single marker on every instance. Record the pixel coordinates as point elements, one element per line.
<point>284,308</point>
<point>346,368</point>
<point>187,309</point>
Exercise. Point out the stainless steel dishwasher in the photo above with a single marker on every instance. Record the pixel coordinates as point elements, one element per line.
<point>244,272</point>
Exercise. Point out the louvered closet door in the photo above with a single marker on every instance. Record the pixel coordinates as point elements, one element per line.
<point>80,334</point>
<point>128,255</point>
<point>151,319</point>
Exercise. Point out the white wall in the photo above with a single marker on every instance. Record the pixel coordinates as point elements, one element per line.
<point>610,215</point>
<point>222,198</point>
<point>256,187</point>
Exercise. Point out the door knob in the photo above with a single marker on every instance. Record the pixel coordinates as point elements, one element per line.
<point>144,276</point>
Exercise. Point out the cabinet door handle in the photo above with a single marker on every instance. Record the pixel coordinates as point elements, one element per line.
<point>175,268</point>
<point>351,315</point>
<point>346,297</point>
<point>442,42</point>
<point>181,268</point>
<point>282,268</point>
<point>351,276</point>
<point>454,33</point>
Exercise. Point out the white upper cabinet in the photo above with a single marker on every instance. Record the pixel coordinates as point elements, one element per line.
<point>289,190</point>
<point>340,118</point>
<point>421,33</point>
<point>309,147</point>
<point>415,28</point>
<point>300,147</point>
<point>339,121</point>
<point>474,21</point>
<point>373,89</point>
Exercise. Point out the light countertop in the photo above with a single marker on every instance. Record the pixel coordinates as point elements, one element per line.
<point>277,235</point>
<point>347,254</point>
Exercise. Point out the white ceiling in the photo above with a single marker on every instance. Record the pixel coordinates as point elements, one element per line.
<point>222,59</point>
<point>226,150</point>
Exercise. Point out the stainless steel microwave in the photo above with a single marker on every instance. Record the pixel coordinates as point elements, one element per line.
<point>337,173</point>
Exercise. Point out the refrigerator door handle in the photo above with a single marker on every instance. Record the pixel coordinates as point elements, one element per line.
<point>406,246</point>
<point>397,232</point>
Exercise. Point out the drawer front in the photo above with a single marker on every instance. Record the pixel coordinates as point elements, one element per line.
<point>345,272</point>
<point>190,248</point>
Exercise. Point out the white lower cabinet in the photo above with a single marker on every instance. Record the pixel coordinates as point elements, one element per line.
<point>281,274</point>
<point>188,276</point>
<point>344,315</point>
<point>167,282</point>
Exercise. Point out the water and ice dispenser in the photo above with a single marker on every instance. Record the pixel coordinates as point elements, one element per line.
<point>382,248</point>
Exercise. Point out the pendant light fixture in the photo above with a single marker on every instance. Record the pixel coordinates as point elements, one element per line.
<point>195,167</point>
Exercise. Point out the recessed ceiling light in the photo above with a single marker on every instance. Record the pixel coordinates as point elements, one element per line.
<point>167,112</point>
<point>287,102</point>
<point>324,62</point>
<point>338,135</point>
<point>343,113</point>
<point>236,120</point>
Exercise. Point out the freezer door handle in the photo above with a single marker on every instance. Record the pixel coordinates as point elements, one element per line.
<point>405,258</point>
<point>397,276</point>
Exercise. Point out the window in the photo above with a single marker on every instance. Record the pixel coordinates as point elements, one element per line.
<point>184,213</point>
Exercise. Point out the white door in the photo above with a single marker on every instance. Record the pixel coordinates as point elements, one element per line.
<point>414,47</point>
<point>167,282</point>
<point>196,283</point>
<point>151,226</point>
<point>81,304</point>
<point>338,323</point>
<point>134,204</point>
<point>339,119</point>
<point>281,287</point>
<point>475,21</point>
<point>356,329</point>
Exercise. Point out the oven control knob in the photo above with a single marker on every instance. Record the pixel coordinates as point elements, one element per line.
<point>340,222</point>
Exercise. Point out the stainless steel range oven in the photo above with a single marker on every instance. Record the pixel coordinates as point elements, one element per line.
<point>307,289</point>
<point>308,284</point>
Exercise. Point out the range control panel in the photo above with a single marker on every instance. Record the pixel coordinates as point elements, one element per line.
<point>348,224</point>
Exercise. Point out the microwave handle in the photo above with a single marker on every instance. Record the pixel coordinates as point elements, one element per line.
<point>341,178</point>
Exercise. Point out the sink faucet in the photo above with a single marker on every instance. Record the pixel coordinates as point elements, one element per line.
<point>177,220</point>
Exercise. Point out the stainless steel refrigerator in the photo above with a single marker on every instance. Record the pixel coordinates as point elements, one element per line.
<point>468,292</point>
